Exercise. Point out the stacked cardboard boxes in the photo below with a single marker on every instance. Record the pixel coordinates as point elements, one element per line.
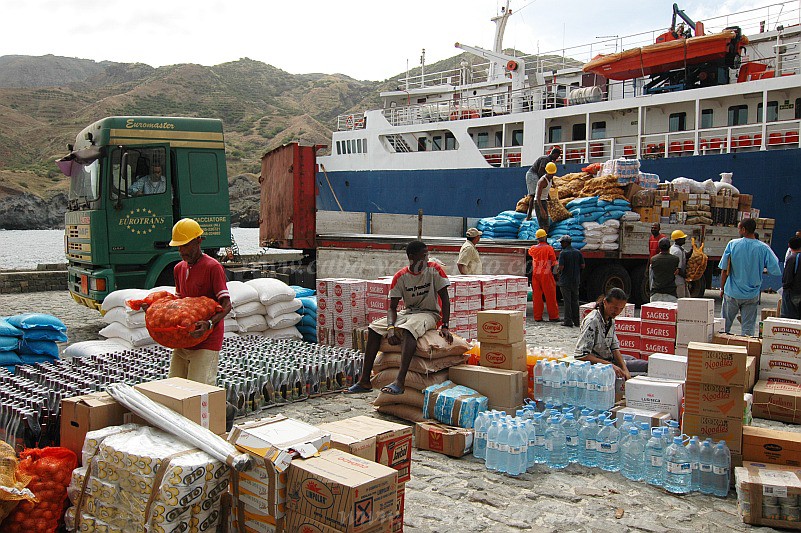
<point>695,322</point>
<point>503,342</point>
<point>713,393</point>
<point>658,328</point>
<point>781,350</point>
<point>377,299</point>
<point>629,335</point>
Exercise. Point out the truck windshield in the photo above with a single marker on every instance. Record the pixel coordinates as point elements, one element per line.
<point>84,181</point>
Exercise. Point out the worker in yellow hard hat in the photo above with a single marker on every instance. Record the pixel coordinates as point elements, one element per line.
<point>542,167</point>
<point>679,238</point>
<point>199,275</point>
<point>543,262</point>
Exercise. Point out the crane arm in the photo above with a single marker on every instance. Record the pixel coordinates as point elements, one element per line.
<point>487,54</point>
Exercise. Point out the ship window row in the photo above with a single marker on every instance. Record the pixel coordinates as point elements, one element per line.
<point>352,146</point>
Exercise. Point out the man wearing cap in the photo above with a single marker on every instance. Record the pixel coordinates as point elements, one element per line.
<point>469,262</point>
<point>679,238</point>
<point>571,263</point>
<point>539,179</point>
<point>543,261</point>
<point>662,271</point>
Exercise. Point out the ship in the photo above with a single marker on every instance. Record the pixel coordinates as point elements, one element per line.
<point>719,96</point>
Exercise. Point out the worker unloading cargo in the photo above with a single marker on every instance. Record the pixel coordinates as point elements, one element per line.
<point>679,238</point>
<point>543,261</point>
<point>539,180</point>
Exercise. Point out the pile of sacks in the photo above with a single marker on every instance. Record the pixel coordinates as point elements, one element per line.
<point>308,313</point>
<point>504,226</point>
<point>602,236</point>
<point>595,209</point>
<point>571,227</point>
<point>265,307</point>
<point>429,366</point>
<point>30,338</point>
<point>126,327</point>
<point>528,229</point>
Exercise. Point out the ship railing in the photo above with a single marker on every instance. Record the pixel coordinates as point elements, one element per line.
<point>351,121</point>
<point>506,156</point>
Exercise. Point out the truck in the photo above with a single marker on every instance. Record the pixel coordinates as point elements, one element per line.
<point>369,245</point>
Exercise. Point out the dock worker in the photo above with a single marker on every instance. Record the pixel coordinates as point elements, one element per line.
<point>598,342</point>
<point>791,281</point>
<point>422,285</point>
<point>539,189</point>
<point>543,264</point>
<point>679,238</point>
<point>653,240</point>
<point>571,263</point>
<point>469,261</point>
<point>662,271</point>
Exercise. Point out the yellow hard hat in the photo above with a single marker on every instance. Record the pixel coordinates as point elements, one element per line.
<point>184,231</point>
<point>541,233</point>
<point>677,234</point>
<point>550,168</point>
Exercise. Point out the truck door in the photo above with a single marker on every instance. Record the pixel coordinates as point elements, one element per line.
<point>141,193</point>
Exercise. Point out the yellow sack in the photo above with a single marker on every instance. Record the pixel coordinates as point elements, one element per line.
<point>696,264</point>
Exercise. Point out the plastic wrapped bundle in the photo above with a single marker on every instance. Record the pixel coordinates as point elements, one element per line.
<point>626,170</point>
<point>453,404</point>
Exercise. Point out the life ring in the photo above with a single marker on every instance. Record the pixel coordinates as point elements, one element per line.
<point>511,65</point>
<point>349,122</point>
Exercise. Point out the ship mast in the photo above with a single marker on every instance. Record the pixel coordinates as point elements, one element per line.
<point>500,28</point>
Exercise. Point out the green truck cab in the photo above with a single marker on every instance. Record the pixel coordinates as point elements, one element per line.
<point>131,179</point>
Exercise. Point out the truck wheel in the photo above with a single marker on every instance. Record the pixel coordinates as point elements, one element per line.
<point>607,277</point>
<point>639,285</point>
<point>699,286</point>
<point>166,277</point>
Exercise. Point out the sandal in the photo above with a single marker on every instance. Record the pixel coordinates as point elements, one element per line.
<point>393,389</point>
<point>357,389</point>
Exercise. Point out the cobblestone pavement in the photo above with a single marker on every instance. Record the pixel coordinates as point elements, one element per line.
<point>451,495</point>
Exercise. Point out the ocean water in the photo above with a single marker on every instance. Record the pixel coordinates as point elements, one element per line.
<point>24,249</point>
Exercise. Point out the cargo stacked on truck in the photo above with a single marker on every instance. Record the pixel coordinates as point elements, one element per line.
<point>131,179</point>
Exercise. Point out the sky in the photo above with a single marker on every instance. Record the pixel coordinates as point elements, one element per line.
<point>364,39</point>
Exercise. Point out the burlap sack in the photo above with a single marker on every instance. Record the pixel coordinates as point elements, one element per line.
<point>556,210</point>
<point>412,397</point>
<point>421,365</point>
<point>406,412</point>
<point>413,379</point>
<point>696,264</point>
<point>431,346</point>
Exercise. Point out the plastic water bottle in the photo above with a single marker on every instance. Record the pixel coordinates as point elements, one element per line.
<point>585,413</point>
<point>694,449</point>
<point>705,465</point>
<point>678,471</point>
<point>721,462</point>
<point>558,382</point>
<point>608,451</point>
<point>480,439</point>
<point>628,423</point>
<point>531,435</point>
<point>547,372</point>
<point>632,456</point>
<point>492,446</point>
<point>540,424</point>
<point>556,444</point>
<point>538,368</point>
<point>503,448</point>
<point>571,428</point>
<point>588,434</point>
<point>654,460</point>
<point>673,429</point>
<point>607,381</point>
<point>518,450</point>
<point>592,384</point>
<point>572,383</point>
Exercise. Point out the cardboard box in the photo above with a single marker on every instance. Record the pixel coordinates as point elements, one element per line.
<point>659,330</point>
<point>728,429</point>
<point>200,403</point>
<point>659,312</point>
<point>777,401</point>
<point>397,522</point>
<point>504,389</point>
<point>449,440</point>
<point>629,343</point>
<point>654,394</point>
<point>82,414</point>
<point>719,326</point>
<point>384,442</point>
<point>717,364</point>
<point>628,325</point>
<point>781,348</point>
<point>687,332</point>
<point>253,521</point>
<point>667,366</point>
<point>751,373</point>
<point>753,345</point>
<point>696,310</point>
<point>755,480</point>
<point>786,329</point>
<point>766,445</point>
<point>649,345</point>
<point>654,418</point>
<point>781,365</point>
<point>298,523</point>
<point>724,401</point>
<point>776,377</point>
<point>273,442</point>
<point>507,356</point>
<point>768,313</point>
<point>342,491</point>
<point>501,327</point>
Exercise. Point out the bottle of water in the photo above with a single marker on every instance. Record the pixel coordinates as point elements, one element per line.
<point>628,423</point>
<point>556,444</point>
<point>571,395</point>
<point>531,435</point>
<point>518,450</point>
<point>632,456</point>
<point>503,448</point>
<point>694,449</point>
<point>673,429</point>
<point>607,380</point>
<point>480,438</point>
<point>540,424</point>
<point>492,446</point>
<point>581,383</point>
<point>547,372</point>
<point>678,471</point>
<point>705,465</point>
<point>608,450</point>
<point>585,413</point>
<point>592,387</point>
<point>588,447</point>
<point>655,460</point>
<point>721,462</point>
<point>538,368</point>
<point>558,381</point>
<point>571,428</point>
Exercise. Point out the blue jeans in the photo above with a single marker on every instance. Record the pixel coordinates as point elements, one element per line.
<point>748,307</point>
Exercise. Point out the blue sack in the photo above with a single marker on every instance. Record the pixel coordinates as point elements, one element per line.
<point>579,245</point>
<point>36,321</point>
<point>7,330</point>
<point>308,322</point>
<point>621,202</point>
<point>580,202</point>
<point>306,331</point>
<point>8,344</point>
<point>11,369</point>
<point>45,335</point>
<point>46,348</point>
<point>309,305</point>
<point>9,359</point>
<point>301,292</point>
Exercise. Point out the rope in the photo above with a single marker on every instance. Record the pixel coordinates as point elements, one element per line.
<point>322,167</point>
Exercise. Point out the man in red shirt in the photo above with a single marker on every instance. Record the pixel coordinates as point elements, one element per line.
<point>653,242</point>
<point>543,260</point>
<point>199,275</point>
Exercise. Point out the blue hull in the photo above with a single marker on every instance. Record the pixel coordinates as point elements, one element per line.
<point>772,177</point>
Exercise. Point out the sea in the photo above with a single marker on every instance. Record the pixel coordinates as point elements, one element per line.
<point>24,249</point>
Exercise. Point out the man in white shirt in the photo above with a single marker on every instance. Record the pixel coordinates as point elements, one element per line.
<point>469,262</point>
<point>155,183</point>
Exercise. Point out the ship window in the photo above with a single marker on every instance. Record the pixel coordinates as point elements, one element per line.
<point>421,100</point>
<point>339,148</point>
<point>498,139</point>
<point>738,115</point>
<point>579,132</point>
<point>706,118</point>
<point>798,108</point>
<point>517,137</point>
<point>421,144</point>
<point>598,130</point>
<point>554,135</point>
<point>677,122</point>
<point>364,146</point>
<point>450,142</point>
<point>350,146</point>
<point>773,112</point>
<point>483,140</point>
<point>436,142</point>
<point>358,146</point>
